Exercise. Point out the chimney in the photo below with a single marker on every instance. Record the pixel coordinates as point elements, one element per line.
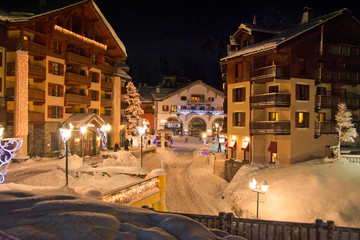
<point>308,15</point>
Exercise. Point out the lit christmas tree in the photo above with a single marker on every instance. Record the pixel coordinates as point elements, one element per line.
<point>134,110</point>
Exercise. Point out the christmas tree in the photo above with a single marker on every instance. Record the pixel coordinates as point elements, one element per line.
<point>134,110</point>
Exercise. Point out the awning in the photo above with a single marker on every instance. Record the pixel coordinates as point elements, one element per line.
<point>244,145</point>
<point>232,144</point>
<point>273,147</point>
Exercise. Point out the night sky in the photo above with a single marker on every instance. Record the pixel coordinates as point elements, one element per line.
<point>187,38</point>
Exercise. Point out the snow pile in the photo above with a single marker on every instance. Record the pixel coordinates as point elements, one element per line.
<point>121,158</point>
<point>29,216</point>
<point>302,192</point>
<point>74,162</point>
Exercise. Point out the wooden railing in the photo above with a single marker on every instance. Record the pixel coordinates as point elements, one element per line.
<point>76,79</point>
<point>33,48</point>
<point>76,58</point>
<point>106,85</point>
<point>269,127</point>
<point>333,101</point>
<point>106,68</point>
<point>36,117</point>
<point>326,75</point>
<point>71,99</point>
<point>325,127</point>
<point>106,102</point>
<point>270,100</point>
<point>37,72</point>
<point>271,71</point>
<point>36,95</point>
<point>342,49</point>
<point>265,229</point>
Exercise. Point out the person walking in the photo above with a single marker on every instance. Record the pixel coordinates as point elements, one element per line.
<point>131,142</point>
<point>126,144</point>
<point>219,148</point>
<point>186,139</point>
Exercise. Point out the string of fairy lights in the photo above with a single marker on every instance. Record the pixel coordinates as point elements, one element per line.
<point>131,194</point>
<point>78,36</point>
<point>8,147</point>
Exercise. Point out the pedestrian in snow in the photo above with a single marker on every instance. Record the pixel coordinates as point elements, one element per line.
<point>219,147</point>
<point>149,141</point>
<point>131,142</point>
<point>126,145</point>
<point>186,138</point>
<point>116,147</point>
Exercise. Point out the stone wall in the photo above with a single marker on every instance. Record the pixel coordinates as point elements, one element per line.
<point>231,168</point>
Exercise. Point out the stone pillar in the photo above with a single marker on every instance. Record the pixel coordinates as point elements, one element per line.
<point>116,114</point>
<point>21,114</point>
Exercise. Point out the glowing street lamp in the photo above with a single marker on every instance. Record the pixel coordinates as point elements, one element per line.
<point>83,131</point>
<point>1,131</point>
<point>65,132</point>
<point>142,131</point>
<point>258,188</point>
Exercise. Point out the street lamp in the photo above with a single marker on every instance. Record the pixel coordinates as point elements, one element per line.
<point>142,132</point>
<point>83,131</point>
<point>1,131</point>
<point>65,132</point>
<point>204,137</point>
<point>258,188</point>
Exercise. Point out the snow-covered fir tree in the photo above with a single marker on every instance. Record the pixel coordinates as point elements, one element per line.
<point>134,110</point>
<point>345,128</point>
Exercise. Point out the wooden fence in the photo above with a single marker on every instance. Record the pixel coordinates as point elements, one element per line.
<point>257,229</point>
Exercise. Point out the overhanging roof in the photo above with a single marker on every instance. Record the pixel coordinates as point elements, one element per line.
<point>78,120</point>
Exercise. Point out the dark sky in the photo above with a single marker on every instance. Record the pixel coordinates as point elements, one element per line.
<point>187,38</point>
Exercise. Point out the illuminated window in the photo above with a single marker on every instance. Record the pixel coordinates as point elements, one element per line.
<point>173,108</point>
<point>26,38</point>
<point>273,116</point>
<point>165,108</point>
<point>211,99</point>
<point>56,68</point>
<point>197,98</point>
<point>219,108</point>
<point>183,107</point>
<point>55,90</point>
<point>320,117</point>
<point>302,120</point>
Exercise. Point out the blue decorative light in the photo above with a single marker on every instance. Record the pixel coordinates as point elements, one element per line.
<point>171,141</point>
<point>8,147</point>
<point>155,140</point>
<point>103,137</point>
<point>200,112</point>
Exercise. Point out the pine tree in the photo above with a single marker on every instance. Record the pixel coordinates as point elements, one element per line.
<point>134,110</point>
<point>344,127</point>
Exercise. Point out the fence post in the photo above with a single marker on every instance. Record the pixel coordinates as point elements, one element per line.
<point>330,230</point>
<point>222,220</point>
<point>229,220</point>
<point>319,228</point>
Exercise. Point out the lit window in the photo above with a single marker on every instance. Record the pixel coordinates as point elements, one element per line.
<point>219,108</point>
<point>273,116</point>
<point>26,38</point>
<point>302,120</point>
<point>173,108</point>
<point>165,108</point>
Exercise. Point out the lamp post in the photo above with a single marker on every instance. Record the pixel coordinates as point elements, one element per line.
<point>83,131</point>
<point>65,132</point>
<point>141,131</point>
<point>258,188</point>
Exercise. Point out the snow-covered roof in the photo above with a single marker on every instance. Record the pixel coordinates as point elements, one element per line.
<point>78,120</point>
<point>163,94</point>
<point>23,17</point>
<point>284,36</point>
<point>122,74</point>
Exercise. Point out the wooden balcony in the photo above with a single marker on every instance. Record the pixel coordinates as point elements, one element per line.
<point>72,99</point>
<point>38,73</point>
<point>35,71</point>
<point>33,48</point>
<point>76,79</point>
<point>71,57</point>
<point>36,117</point>
<point>333,101</point>
<point>106,102</point>
<point>107,86</point>
<point>270,127</point>
<point>333,76</point>
<point>270,100</point>
<point>107,119</point>
<point>325,127</point>
<point>268,73</point>
<point>342,49</point>
<point>106,68</point>
<point>37,96</point>
<point>201,101</point>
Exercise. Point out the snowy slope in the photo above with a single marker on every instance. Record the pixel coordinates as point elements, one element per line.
<point>301,192</point>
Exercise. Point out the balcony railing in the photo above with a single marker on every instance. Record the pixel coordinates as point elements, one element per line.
<point>78,59</point>
<point>342,49</point>
<point>272,71</point>
<point>201,101</point>
<point>331,76</point>
<point>270,127</point>
<point>333,101</point>
<point>36,95</point>
<point>106,102</point>
<point>325,127</point>
<point>37,72</point>
<point>33,48</point>
<point>106,85</point>
<point>36,117</point>
<point>71,99</point>
<point>76,79</point>
<point>199,112</point>
<point>107,68</point>
<point>270,100</point>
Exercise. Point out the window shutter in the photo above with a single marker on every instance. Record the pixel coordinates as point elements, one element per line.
<point>50,88</point>
<point>307,90</point>
<point>297,92</point>
<point>61,90</point>
<point>61,112</point>
<point>51,67</point>
<point>242,119</point>
<point>99,59</point>
<point>49,111</point>
<point>61,68</point>
<point>234,95</point>
<point>306,119</point>
<point>97,95</point>
<point>296,119</point>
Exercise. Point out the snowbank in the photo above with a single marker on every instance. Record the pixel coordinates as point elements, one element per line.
<point>29,216</point>
<point>301,192</point>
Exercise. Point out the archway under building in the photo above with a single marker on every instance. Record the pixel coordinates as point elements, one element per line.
<point>175,125</point>
<point>197,126</point>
